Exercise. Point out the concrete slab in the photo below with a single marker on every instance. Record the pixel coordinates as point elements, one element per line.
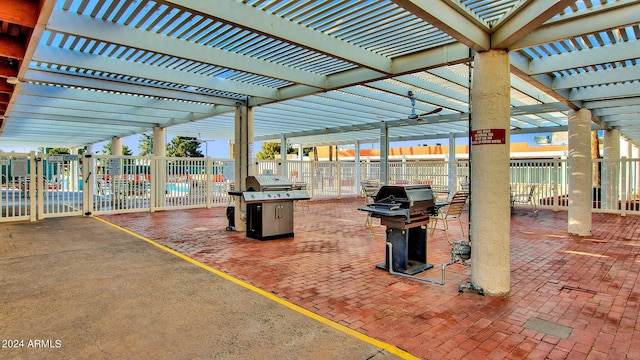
<point>79,288</point>
<point>548,327</point>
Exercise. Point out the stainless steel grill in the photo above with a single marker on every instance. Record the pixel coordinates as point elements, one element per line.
<point>405,211</point>
<point>271,188</point>
<point>270,206</point>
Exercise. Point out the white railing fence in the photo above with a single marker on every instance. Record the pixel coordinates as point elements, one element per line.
<point>18,197</point>
<point>131,184</point>
<point>62,186</point>
<point>102,184</point>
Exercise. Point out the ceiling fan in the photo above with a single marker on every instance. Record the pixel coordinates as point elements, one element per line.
<point>200,140</point>
<point>413,114</point>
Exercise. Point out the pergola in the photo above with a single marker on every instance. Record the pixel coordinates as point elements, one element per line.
<point>316,72</point>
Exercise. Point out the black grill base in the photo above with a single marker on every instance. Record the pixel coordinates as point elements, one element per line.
<point>413,267</point>
<point>409,250</point>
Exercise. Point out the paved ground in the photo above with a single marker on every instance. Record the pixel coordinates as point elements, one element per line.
<point>571,297</point>
<point>78,288</point>
<point>589,285</point>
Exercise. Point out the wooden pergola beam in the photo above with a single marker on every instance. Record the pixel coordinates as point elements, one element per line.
<point>19,12</point>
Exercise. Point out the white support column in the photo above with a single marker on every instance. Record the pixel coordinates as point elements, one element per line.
<point>116,146</point>
<point>36,190</point>
<point>634,153</point>
<point>159,141</point>
<point>358,169</point>
<point>73,171</point>
<point>453,174</point>
<point>580,179</point>
<point>610,170</point>
<point>490,208</point>
<point>158,168</point>
<point>403,170</point>
<point>302,165</point>
<point>243,155</point>
<point>284,168</point>
<point>384,154</point>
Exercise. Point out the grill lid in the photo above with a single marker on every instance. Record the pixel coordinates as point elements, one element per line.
<point>402,201</point>
<point>267,183</point>
<point>406,196</point>
<point>264,188</point>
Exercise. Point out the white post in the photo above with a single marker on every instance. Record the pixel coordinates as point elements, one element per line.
<point>36,190</point>
<point>116,146</point>
<point>284,168</point>
<point>580,179</point>
<point>358,171</point>
<point>453,174</point>
<point>555,176</point>
<point>88,181</point>
<point>384,154</point>
<point>610,170</point>
<point>73,171</point>
<point>623,193</point>
<point>208,175</point>
<point>158,168</point>
<point>243,155</point>
<point>490,200</point>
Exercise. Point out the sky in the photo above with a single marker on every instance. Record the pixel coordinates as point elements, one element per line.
<point>219,148</point>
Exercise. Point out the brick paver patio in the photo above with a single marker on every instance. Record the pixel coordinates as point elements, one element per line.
<point>585,285</point>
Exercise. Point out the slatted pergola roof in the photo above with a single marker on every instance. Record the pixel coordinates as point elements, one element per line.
<point>316,72</point>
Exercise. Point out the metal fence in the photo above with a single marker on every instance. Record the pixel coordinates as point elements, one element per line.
<point>102,184</point>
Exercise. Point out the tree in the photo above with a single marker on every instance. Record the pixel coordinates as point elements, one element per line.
<point>269,150</point>
<point>106,149</point>
<point>183,146</point>
<point>54,150</point>
<point>145,145</point>
<point>306,151</point>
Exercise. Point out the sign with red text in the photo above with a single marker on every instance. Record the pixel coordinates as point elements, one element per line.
<point>488,136</point>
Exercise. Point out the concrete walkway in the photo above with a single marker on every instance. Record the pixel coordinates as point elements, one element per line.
<point>571,297</point>
<point>78,288</point>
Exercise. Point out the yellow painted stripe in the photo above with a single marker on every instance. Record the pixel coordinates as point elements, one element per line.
<point>368,339</point>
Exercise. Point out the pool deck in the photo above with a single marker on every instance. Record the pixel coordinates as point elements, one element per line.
<point>571,297</point>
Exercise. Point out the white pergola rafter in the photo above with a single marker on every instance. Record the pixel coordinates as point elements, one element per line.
<point>592,78</point>
<point>139,70</point>
<point>591,21</point>
<point>276,27</point>
<point>577,59</point>
<point>112,33</point>
<point>524,21</point>
<point>453,20</point>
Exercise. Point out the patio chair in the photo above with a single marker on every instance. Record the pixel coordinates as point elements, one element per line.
<point>526,198</point>
<point>450,212</point>
<point>369,190</point>
<point>301,185</point>
<point>440,192</point>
